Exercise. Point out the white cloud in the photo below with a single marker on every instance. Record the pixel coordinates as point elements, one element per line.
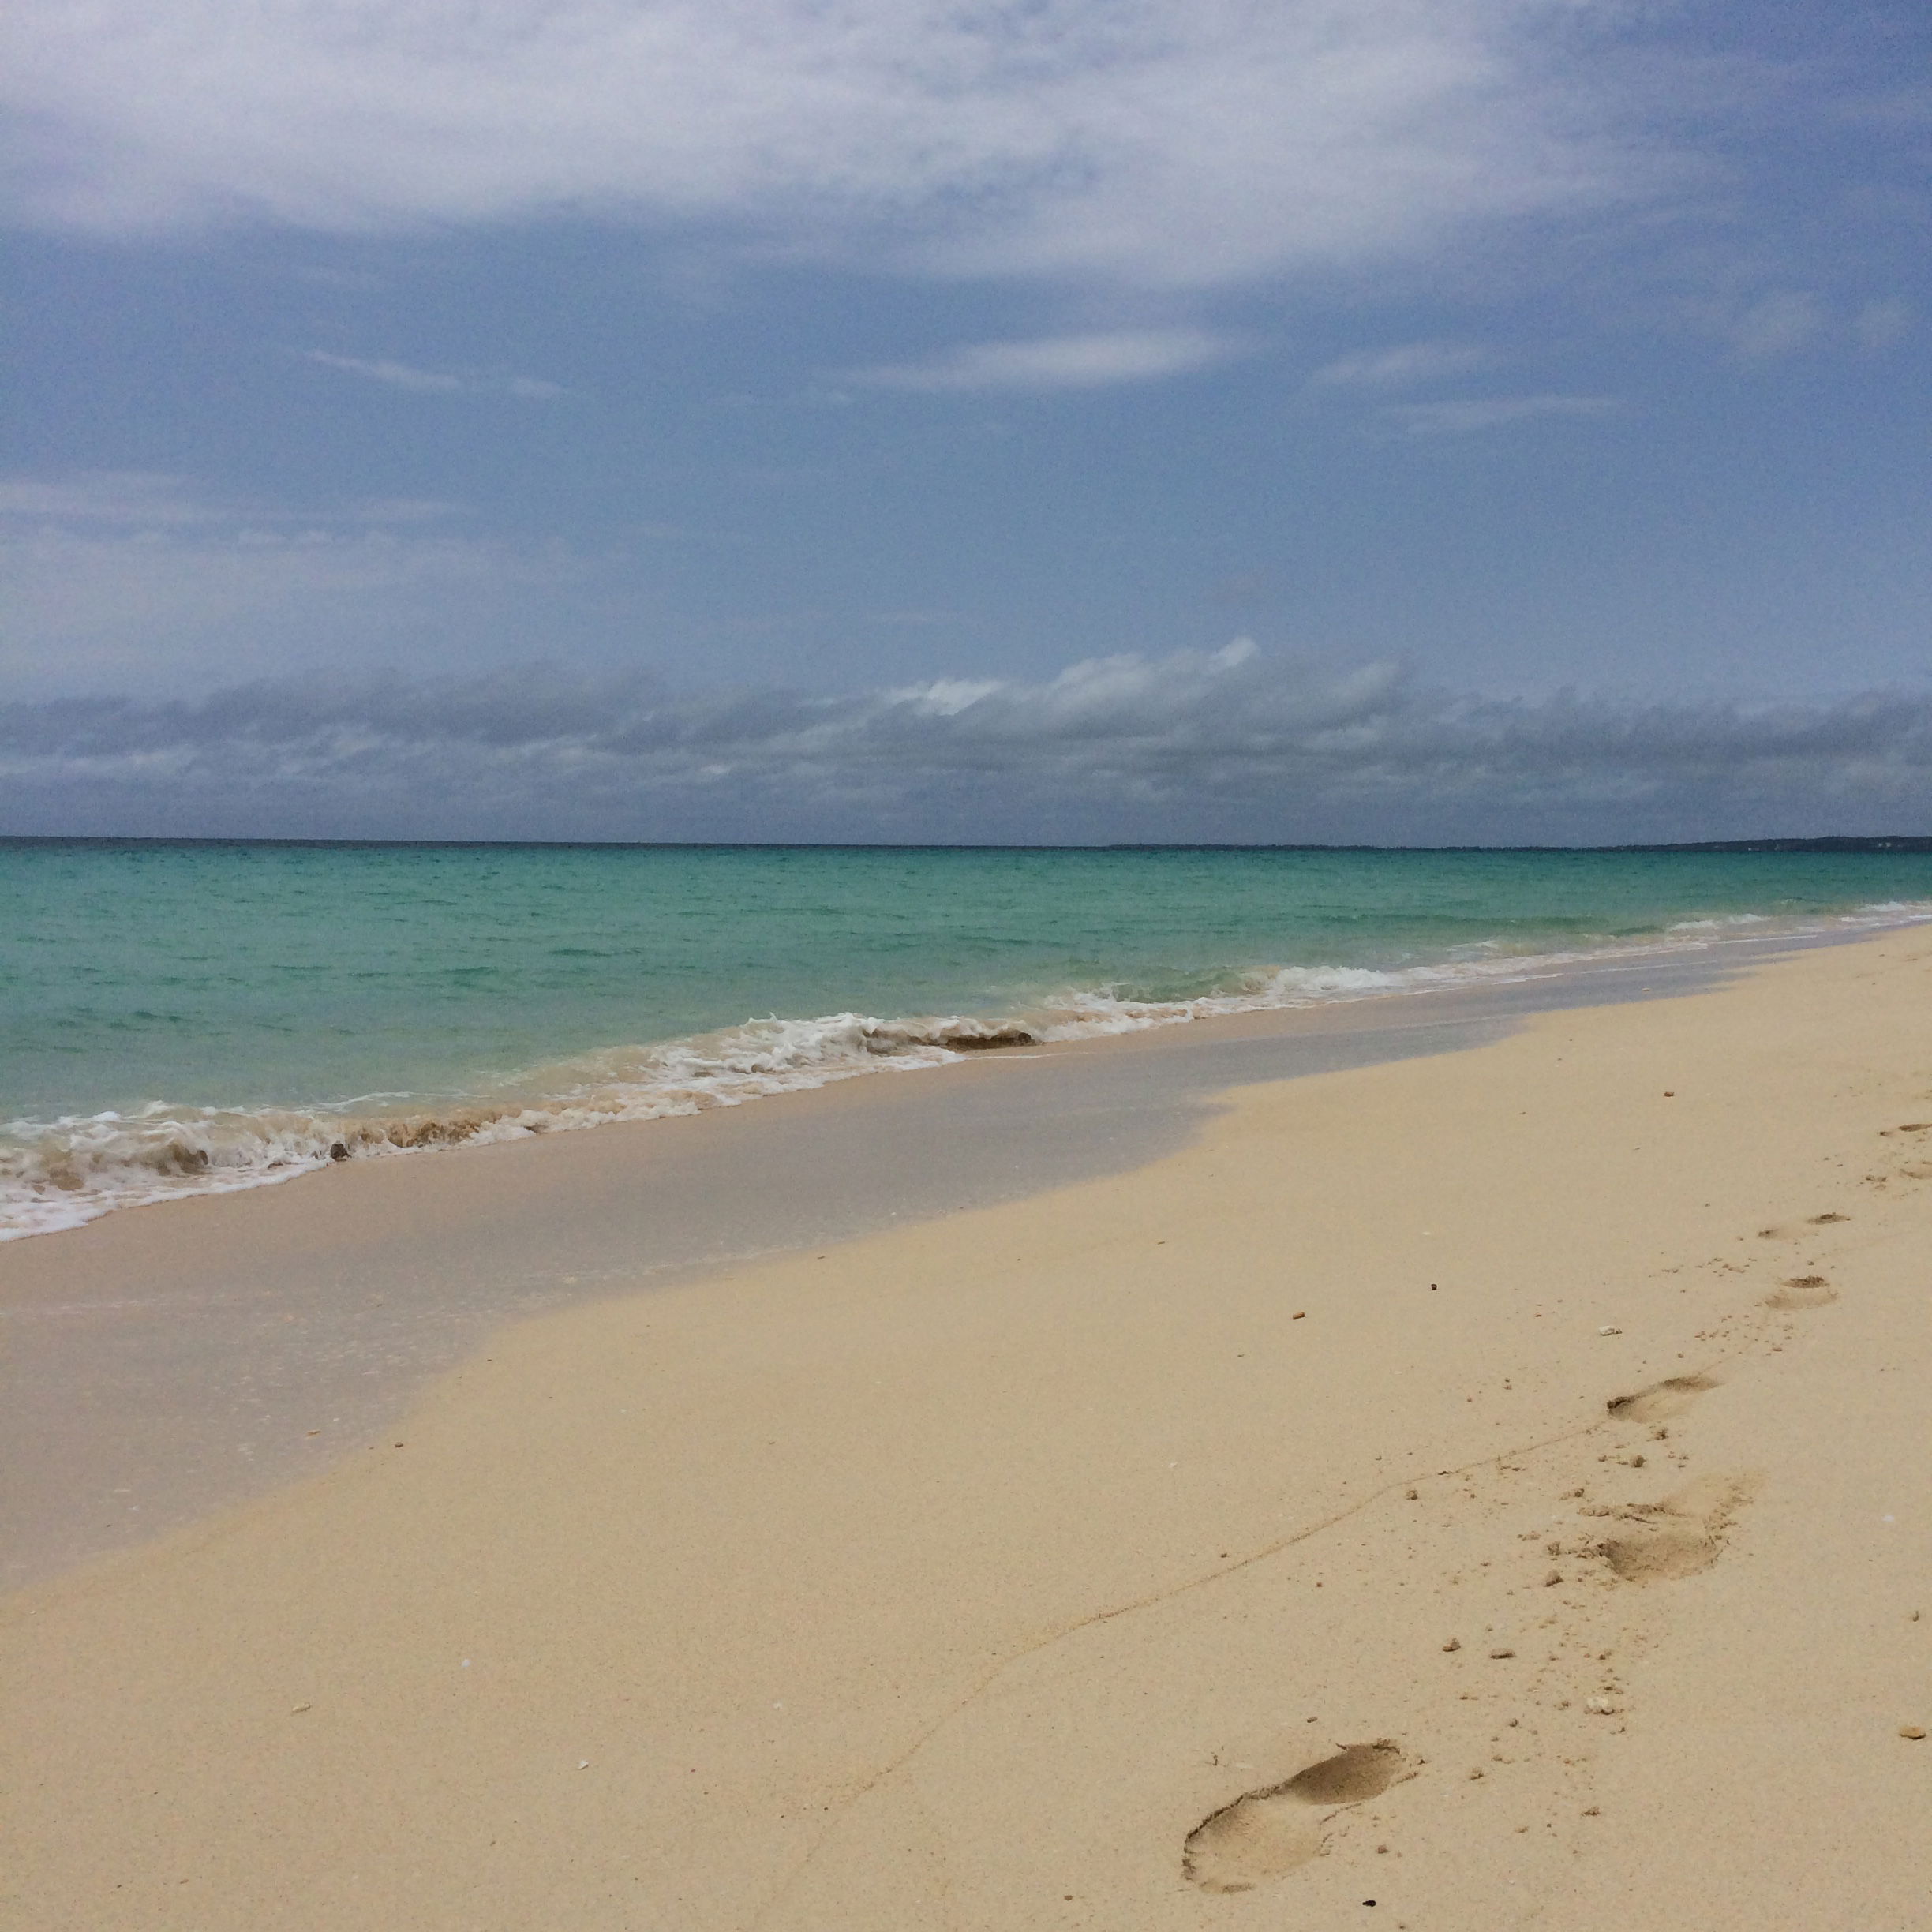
<point>1134,141</point>
<point>436,382</point>
<point>1084,362</point>
<point>1467,415</point>
<point>1399,367</point>
<point>1228,743</point>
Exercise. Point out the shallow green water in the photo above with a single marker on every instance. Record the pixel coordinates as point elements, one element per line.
<point>186,991</point>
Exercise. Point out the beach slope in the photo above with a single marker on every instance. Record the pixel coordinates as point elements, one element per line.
<point>1482,1490</point>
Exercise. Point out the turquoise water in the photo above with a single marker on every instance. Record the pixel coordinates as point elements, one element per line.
<point>175,1018</point>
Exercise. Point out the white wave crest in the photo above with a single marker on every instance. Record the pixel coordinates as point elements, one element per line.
<point>59,1174</point>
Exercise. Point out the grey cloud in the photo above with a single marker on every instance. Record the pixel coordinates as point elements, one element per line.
<point>1229,744</point>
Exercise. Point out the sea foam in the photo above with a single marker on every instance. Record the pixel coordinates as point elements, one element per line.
<point>61,1174</point>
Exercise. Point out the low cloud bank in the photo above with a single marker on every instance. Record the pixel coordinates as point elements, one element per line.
<point>1231,745</point>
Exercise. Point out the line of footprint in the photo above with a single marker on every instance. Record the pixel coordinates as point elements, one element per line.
<point>1265,1834</point>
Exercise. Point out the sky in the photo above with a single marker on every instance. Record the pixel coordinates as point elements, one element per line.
<point>1417,420</point>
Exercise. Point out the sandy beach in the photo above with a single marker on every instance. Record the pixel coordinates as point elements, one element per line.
<point>1484,1488</point>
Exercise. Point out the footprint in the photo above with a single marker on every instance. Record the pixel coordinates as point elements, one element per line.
<point>1660,1399</point>
<point>1802,1291</point>
<point>1680,1536</point>
<point>1796,1232</point>
<point>1266,1834</point>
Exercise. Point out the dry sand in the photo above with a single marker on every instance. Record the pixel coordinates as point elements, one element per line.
<point>1230,1543</point>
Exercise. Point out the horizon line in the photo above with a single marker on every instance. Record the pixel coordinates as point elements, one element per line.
<point>1832,842</point>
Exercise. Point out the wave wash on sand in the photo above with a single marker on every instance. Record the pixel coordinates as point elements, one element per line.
<point>62,1174</point>
<point>1489,1483</point>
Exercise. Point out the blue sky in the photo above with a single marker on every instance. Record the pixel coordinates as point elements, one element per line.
<point>996,364</point>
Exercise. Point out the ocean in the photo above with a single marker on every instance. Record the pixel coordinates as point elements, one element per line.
<point>182,1017</point>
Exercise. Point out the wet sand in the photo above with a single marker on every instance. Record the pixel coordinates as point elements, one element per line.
<point>1490,1483</point>
<point>171,1360</point>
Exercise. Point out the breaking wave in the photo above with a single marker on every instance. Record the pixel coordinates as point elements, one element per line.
<point>59,1174</point>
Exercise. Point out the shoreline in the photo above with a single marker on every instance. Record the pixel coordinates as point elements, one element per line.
<point>1489,1484</point>
<point>66,1174</point>
<point>168,1361</point>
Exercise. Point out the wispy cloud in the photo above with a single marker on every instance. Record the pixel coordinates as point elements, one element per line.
<point>149,499</point>
<point>1468,415</point>
<point>1079,361</point>
<point>436,382</point>
<point>1226,743</point>
<point>1769,325</point>
<point>1400,367</point>
<point>136,575</point>
<point>1778,324</point>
